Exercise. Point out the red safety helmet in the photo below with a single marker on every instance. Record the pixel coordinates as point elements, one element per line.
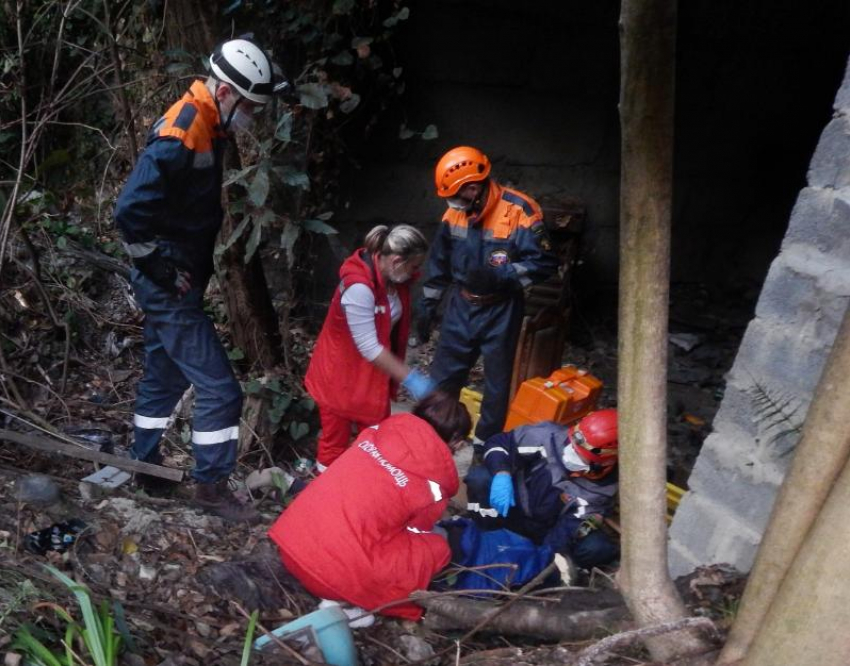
<point>595,438</point>
<point>458,167</point>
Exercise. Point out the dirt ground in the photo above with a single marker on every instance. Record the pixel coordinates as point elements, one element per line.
<point>154,556</point>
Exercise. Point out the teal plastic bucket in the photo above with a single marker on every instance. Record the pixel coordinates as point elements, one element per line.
<point>333,634</point>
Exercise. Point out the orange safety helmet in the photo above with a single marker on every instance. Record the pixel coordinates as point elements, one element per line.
<point>458,167</point>
<point>595,438</point>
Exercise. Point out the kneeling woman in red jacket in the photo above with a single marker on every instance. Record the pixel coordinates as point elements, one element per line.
<point>358,362</point>
<point>360,532</point>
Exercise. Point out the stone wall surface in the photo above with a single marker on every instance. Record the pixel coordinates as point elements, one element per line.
<point>782,355</point>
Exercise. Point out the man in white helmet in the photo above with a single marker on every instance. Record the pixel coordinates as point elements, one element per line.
<point>169,214</point>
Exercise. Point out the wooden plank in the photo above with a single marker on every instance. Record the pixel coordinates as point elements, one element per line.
<point>82,453</point>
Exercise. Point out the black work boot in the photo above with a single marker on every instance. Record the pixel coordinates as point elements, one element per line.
<point>216,499</point>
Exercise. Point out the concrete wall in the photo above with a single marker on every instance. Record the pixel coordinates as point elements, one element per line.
<point>536,84</point>
<point>779,363</point>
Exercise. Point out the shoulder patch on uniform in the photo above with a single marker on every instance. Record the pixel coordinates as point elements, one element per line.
<point>185,117</point>
<point>518,201</point>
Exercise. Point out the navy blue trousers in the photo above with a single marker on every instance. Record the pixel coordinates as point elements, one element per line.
<point>557,531</point>
<point>491,331</point>
<point>183,349</point>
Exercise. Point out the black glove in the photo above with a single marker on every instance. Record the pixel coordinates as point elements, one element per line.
<point>483,281</point>
<point>162,272</point>
<point>425,321</point>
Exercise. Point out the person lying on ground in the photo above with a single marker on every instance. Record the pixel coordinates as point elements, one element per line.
<point>360,533</point>
<point>552,483</point>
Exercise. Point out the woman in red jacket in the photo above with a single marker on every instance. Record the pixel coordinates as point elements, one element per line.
<point>360,532</point>
<point>358,361</point>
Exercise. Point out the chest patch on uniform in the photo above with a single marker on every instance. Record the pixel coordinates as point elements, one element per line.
<point>498,258</point>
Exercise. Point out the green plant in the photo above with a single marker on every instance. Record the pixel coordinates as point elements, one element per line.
<point>285,412</point>
<point>96,638</point>
<point>249,638</point>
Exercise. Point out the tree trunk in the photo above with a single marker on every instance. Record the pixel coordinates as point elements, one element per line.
<point>820,456</point>
<point>807,621</point>
<point>525,618</point>
<point>647,38</point>
<point>251,317</point>
<point>192,25</point>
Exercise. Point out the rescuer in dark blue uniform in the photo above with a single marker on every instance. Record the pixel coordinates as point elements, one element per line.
<point>552,483</point>
<point>169,214</point>
<point>491,244</point>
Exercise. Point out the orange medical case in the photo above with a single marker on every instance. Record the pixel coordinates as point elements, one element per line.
<point>565,396</point>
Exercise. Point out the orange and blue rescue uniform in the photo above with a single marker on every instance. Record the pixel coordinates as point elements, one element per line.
<point>171,205</point>
<point>508,239</point>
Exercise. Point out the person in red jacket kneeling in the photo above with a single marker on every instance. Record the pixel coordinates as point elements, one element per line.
<point>358,362</point>
<point>360,532</point>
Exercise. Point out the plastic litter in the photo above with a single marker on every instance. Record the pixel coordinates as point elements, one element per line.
<point>38,490</point>
<point>58,537</point>
<point>326,628</point>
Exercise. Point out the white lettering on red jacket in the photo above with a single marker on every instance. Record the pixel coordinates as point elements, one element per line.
<point>398,475</point>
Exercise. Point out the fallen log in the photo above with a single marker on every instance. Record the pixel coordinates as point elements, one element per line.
<point>548,622</point>
<point>82,453</point>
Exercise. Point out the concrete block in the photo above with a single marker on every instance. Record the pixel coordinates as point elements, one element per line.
<point>830,165</point>
<point>735,488</point>
<point>705,533</point>
<point>784,355</point>
<point>811,303</point>
<point>812,220</point>
<point>842,99</point>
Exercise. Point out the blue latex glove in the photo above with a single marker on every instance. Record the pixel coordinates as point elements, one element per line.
<point>502,493</point>
<point>419,385</point>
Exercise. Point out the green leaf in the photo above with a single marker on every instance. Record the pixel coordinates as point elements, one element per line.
<point>397,72</point>
<point>236,354</point>
<point>253,386</point>
<point>282,401</point>
<point>318,227</point>
<point>237,232</point>
<point>177,67</point>
<point>258,192</point>
<point>292,177</point>
<point>405,133</point>
<point>234,176</point>
<point>253,240</point>
<point>403,14</point>
<point>93,633</point>
<point>430,133</point>
<point>249,638</point>
<point>313,96</point>
<point>343,6</point>
<point>357,42</point>
<point>350,104</point>
<point>275,385</point>
<point>291,233</point>
<point>298,430</point>
<point>328,214</point>
<point>283,131</point>
<point>62,242</point>
<point>307,404</point>
<point>343,59</point>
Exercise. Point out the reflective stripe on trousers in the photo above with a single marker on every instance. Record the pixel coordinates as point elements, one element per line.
<point>183,349</point>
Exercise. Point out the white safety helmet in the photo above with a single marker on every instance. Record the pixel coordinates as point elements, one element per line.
<point>247,68</point>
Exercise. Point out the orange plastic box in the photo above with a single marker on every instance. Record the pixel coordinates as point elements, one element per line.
<point>565,396</point>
